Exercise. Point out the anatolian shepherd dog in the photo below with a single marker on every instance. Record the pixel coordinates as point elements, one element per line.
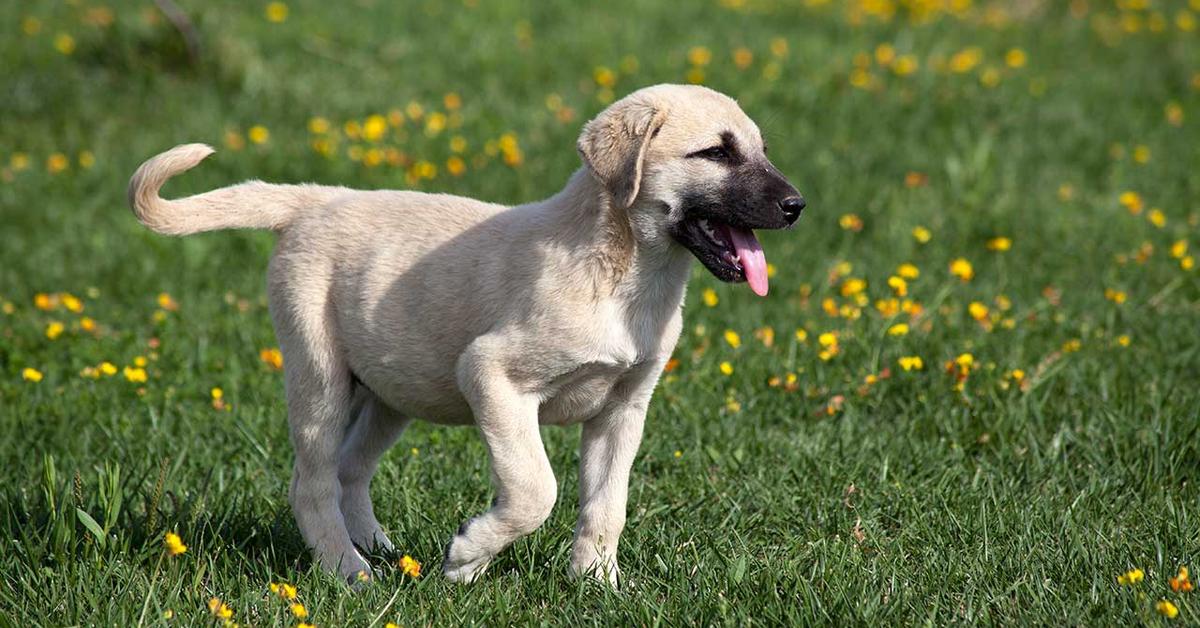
<point>393,305</point>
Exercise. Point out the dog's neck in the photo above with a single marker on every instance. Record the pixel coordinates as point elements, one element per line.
<point>617,260</point>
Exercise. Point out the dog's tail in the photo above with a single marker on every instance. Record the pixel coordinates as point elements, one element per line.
<point>250,205</point>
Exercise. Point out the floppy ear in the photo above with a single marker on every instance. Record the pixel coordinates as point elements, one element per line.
<point>613,146</point>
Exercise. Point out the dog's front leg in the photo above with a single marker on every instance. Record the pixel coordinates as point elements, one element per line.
<point>609,444</point>
<point>521,475</point>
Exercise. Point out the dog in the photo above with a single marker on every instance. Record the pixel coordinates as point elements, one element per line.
<point>395,305</point>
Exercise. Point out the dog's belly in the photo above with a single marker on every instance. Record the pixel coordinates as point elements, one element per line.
<point>579,395</point>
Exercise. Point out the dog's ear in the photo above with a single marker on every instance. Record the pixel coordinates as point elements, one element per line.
<point>613,146</point>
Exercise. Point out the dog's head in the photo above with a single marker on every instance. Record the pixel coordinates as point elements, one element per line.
<point>691,169</point>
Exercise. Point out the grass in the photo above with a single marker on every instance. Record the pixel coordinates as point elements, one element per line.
<point>831,500</point>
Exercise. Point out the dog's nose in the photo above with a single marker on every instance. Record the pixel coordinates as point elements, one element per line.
<point>792,206</point>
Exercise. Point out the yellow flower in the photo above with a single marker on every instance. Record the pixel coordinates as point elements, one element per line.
<point>71,302</point>
<point>1179,249</point>
<point>305,625</point>
<point>726,368</point>
<point>56,163</point>
<point>31,26</point>
<point>1157,218</point>
<point>258,134</point>
<point>1131,201</point>
<point>1072,345</point>
<point>828,339</point>
<point>1017,374</point>
<point>1116,296</point>
<point>135,375</point>
<point>1187,263</point>
<point>456,166</point>
<point>699,55</point>
<point>108,368</point>
<point>410,567</point>
<point>899,329</point>
<point>54,330</point>
<point>898,285</point>
<point>1166,609</point>
<point>905,65</point>
<point>999,244</point>
<point>283,590</point>
<point>911,363</point>
<point>166,302</point>
<point>604,77</point>
<point>962,269</point>
<point>64,43</point>
<point>86,159</point>
<point>850,222</point>
<point>272,358</point>
<point>710,297</point>
<point>452,101</point>
<point>1123,340</point>
<point>990,77</point>
<point>298,610</point>
<point>219,609</point>
<point>318,125</point>
<point>921,234</point>
<point>458,144</point>
<point>1015,58</point>
<point>978,310</point>
<point>678,453</point>
<point>1141,153</point>
<point>742,58</point>
<point>435,123</point>
<point>779,47</point>
<point>732,338</point>
<point>31,375</point>
<point>276,12</point>
<point>885,54</point>
<point>965,60</point>
<point>908,271</point>
<point>174,544</point>
<point>853,286</point>
<point>801,335</point>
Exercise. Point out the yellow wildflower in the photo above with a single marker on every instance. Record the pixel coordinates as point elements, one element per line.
<point>108,368</point>
<point>298,610</point>
<point>604,77</point>
<point>726,368</point>
<point>732,338</point>
<point>1017,374</point>
<point>410,567</point>
<point>219,609</point>
<point>742,58</point>
<point>1132,576</point>
<point>64,43</point>
<point>921,234</point>
<point>1157,218</point>
<point>174,544</point>
<point>271,357</point>
<point>898,285</point>
<point>135,374</point>
<point>905,65</point>
<point>699,55</point>
<point>899,329</point>
<point>56,163</point>
<point>318,125</point>
<point>30,374</point>
<point>999,244</point>
<point>978,310</point>
<point>911,363</point>
<point>1123,340</point>
<point>54,330</point>
<point>71,302</point>
<point>258,134</point>
<point>456,166</point>
<point>276,12</point>
<point>1179,249</point>
<point>962,269</point>
<point>1131,201</point>
<point>801,335</point>
<point>710,297</point>
<point>166,302</point>
<point>1181,583</point>
<point>908,271</point>
<point>1141,153</point>
<point>1015,58</point>
<point>885,54</point>
<point>1166,609</point>
<point>1072,345</point>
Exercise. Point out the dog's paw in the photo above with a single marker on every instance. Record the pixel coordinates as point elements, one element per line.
<point>598,569</point>
<point>465,560</point>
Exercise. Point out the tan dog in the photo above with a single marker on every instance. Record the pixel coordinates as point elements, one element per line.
<point>393,305</point>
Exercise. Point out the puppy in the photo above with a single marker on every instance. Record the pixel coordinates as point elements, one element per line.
<point>391,306</point>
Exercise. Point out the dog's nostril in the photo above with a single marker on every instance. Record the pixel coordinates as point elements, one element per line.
<point>792,206</point>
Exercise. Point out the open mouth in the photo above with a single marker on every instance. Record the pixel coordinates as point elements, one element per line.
<point>730,253</point>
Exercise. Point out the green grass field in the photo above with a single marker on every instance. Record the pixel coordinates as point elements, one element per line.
<point>793,471</point>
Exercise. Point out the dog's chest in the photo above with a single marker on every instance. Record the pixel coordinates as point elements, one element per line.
<point>580,394</point>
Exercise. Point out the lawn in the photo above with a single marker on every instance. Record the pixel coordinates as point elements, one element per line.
<point>972,396</point>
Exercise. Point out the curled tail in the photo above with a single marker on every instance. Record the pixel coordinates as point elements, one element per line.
<point>250,205</point>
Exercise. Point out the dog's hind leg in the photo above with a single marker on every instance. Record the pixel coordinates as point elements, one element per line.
<point>319,395</point>
<point>372,434</point>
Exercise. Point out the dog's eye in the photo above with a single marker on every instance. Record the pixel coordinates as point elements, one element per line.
<point>716,153</point>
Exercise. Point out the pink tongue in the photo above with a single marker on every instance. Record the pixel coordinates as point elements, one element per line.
<point>753,261</point>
